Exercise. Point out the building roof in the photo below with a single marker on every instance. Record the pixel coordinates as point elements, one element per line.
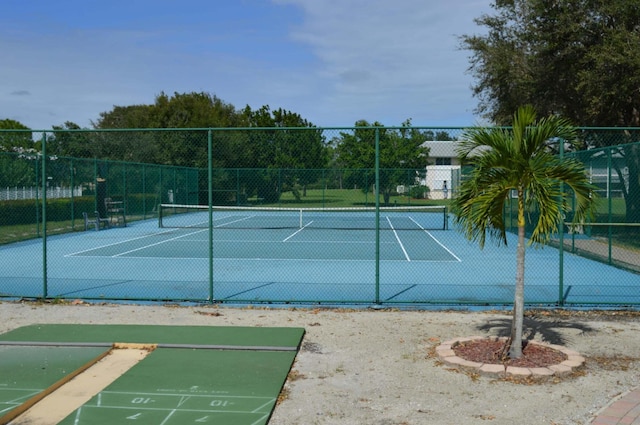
<point>441,148</point>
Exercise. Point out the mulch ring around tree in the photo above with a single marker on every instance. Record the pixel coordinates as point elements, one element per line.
<point>488,356</point>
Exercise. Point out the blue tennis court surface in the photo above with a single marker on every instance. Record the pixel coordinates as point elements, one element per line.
<point>292,263</point>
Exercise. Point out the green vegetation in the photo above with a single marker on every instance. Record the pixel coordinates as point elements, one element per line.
<point>577,59</point>
<point>521,160</point>
<point>336,198</point>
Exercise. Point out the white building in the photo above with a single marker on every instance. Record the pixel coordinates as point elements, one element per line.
<point>443,173</point>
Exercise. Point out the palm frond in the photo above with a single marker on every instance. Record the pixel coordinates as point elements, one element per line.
<point>505,159</point>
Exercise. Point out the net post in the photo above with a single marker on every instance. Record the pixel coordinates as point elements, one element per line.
<point>446,217</point>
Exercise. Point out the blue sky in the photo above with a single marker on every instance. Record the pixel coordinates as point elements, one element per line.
<point>332,61</point>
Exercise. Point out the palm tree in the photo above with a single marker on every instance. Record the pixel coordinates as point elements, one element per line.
<point>520,159</point>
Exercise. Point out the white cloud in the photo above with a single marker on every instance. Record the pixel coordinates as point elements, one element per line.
<point>332,61</point>
<point>390,61</point>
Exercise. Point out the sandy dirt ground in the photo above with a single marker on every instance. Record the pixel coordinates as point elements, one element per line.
<point>379,368</point>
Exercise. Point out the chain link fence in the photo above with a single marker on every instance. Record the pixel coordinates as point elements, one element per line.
<point>278,215</point>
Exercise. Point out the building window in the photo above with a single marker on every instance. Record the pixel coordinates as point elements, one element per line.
<point>443,161</point>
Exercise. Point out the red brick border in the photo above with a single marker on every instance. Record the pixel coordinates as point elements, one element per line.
<point>448,356</point>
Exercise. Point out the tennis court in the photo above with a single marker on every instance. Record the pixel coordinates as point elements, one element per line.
<point>301,256</point>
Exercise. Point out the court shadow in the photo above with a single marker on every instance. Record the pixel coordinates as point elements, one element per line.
<point>548,330</point>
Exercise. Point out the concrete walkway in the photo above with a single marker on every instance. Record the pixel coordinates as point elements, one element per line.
<point>623,410</point>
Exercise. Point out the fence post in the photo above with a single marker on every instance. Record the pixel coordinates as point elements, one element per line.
<point>210,198</point>
<point>561,239</point>
<point>44,215</point>
<point>144,191</point>
<point>72,194</point>
<point>377,200</point>
<point>609,207</point>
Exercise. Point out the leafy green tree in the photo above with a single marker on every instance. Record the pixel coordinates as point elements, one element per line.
<point>519,159</point>
<point>12,140</point>
<point>17,168</point>
<point>400,149</point>
<point>182,110</point>
<point>68,140</point>
<point>290,156</point>
<point>574,58</point>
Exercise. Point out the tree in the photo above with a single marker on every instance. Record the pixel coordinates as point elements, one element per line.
<point>182,110</point>
<point>12,140</point>
<point>289,156</point>
<point>400,149</point>
<point>574,58</point>
<point>520,159</point>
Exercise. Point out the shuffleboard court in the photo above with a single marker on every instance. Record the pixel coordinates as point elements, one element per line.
<point>197,374</point>
<point>237,337</point>
<point>27,373</point>
<point>171,386</point>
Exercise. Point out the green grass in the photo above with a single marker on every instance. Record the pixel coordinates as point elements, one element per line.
<point>339,198</point>
<point>23,232</point>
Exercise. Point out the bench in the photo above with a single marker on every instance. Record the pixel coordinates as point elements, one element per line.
<point>97,222</point>
<point>115,211</point>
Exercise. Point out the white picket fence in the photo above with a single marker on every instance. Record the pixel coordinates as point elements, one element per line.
<point>15,193</point>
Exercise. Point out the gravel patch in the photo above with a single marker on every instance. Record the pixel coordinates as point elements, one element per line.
<point>380,367</point>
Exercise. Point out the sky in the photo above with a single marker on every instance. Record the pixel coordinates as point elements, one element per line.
<point>334,62</point>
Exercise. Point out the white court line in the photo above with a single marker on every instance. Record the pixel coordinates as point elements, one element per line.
<point>264,406</point>
<point>268,241</point>
<point>261,419</point>
<point>437,241</point>
<point>160,409</point>
<point>168,416</point>
<point>157,243</point>
<point>398,239</point>
<point>296,232</point>
<point>234,221</point>
<point>145,236</point>
<point>119,243</point>
<point>163,392</point>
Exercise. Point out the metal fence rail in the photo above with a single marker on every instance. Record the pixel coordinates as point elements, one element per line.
<point>121,178</point>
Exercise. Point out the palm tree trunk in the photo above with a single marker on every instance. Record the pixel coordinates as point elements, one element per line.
<point>515,351</point>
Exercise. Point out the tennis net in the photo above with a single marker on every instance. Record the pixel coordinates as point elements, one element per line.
<point>354,218</point>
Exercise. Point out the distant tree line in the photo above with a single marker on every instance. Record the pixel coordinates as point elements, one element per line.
<point>263,139</point>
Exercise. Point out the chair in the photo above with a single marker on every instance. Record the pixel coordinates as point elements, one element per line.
<point>97,222</point>
<point>115,211</point>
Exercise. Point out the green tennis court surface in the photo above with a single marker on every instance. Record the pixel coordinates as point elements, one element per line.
<point>197,375</point>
